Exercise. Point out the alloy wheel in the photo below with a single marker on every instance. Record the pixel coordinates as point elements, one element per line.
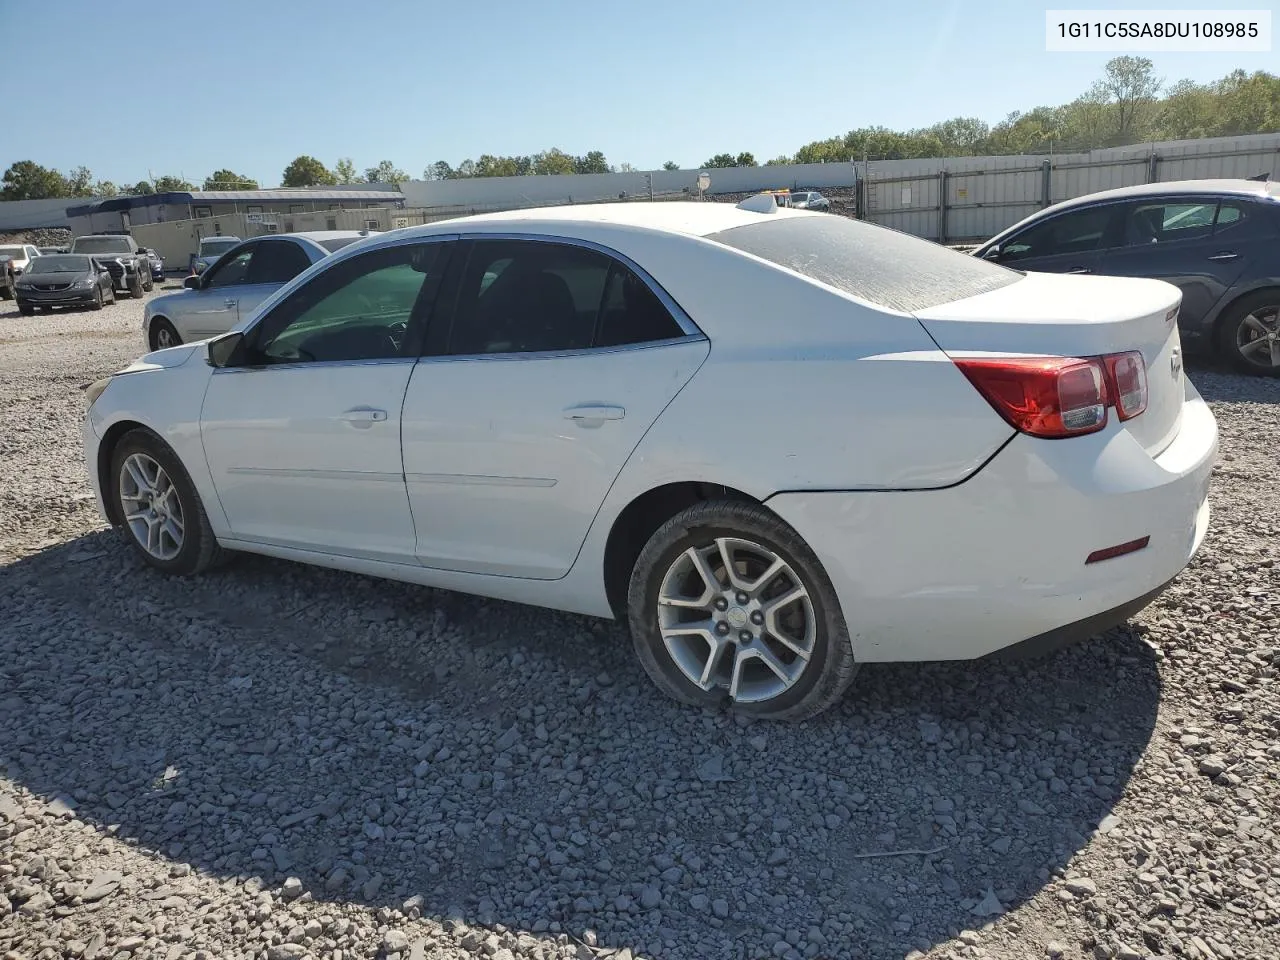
<point>164,337</point>
<point>151,506</point>
<point>735,615</point>
<point>1258,337</point>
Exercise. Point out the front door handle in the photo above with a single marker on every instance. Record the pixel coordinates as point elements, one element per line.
<point>1225,255</point>
<point>1080,270</point>
<point>229,302</point>
<point>594,412</point>
<point>363,417</point>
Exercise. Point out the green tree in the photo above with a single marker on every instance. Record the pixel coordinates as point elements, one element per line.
<point>105,188</point>
<point>141,188</point>
<point>440,170</point>
<point>229,180</point>
<point>745,159</point>
<point>172,185</point>
<point>80,182</point>
<point>721,160</point>
<point>385,172</point>
<point>344,170</point>
<point>552,161</point>
<point>778,161</point>
<point>467,168</point>
<point>593,162</point>
<point>670,165</point>
<point>307,171</point>
<point>27,180</point>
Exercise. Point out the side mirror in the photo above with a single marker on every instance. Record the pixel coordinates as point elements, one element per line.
<point>192,283</point>
<point>223,348</point>
<point>102,269</point>
<point>993,253</point>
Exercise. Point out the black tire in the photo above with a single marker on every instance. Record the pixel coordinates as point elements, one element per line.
<point>7,292</point>
<point>112,290</point>
<point>1232,331</point>
<point>97,300</point>
<point>159,324</point>
<point>148,284</point>
<point>26,309</point>
<point>831,665</point>
<point>200,549</point>
<point>135,286</point>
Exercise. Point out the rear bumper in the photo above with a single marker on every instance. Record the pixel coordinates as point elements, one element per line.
<point>999,560</point>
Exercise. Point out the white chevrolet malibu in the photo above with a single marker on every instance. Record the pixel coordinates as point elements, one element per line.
<point>777,443</point>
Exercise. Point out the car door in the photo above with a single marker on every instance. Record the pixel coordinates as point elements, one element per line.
<point>1188,241</point>
<point>1067,242</point>
<point>539,382</point>
<point>302,429</point>
<point>213,307</point>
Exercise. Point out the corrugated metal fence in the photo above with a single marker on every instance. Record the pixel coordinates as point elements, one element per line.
<point>971,198</point>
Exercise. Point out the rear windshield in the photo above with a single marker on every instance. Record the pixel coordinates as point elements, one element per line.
<point>102,245</point>
<point>881,266</point>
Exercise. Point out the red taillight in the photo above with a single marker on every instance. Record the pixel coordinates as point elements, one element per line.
<point>1060,396</point>
<point>1127,377</point>
<point>1043,396</point>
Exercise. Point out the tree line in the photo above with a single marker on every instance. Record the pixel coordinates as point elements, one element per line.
<point>1128,104</point>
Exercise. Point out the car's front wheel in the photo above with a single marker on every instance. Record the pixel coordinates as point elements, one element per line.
<point>158,506</point>
<point>163,334</point>
<point>26,309</point>
<point>135,286</point>
<point>728,603</point>
<point>1249,334</point>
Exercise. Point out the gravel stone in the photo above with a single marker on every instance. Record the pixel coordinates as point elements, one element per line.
<point>280,761</point>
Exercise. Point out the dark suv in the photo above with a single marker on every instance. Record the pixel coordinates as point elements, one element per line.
<point>1217,240</point>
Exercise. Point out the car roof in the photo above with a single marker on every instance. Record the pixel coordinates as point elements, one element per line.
<point>688,217</point>
<point>327,234</point>
<point>1244,188</point>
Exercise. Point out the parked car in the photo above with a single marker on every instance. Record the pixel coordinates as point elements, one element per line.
<point>211,248</point>
<point>19,254</point>
<point>64,280</point>
<point>230,290</point>
<point>949,457</point>
<point>7,277</point>
<point>157,263</point>
<point>129,267</point>
<point>1218,241</point>
<point>809,200</point>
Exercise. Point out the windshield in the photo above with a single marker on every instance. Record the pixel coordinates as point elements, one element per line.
<point>102,245</point>
<point>215,248</point>
<point>59,263</point>
<point>881,266</point>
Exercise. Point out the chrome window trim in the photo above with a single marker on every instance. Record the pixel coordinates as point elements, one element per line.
<point>683,320</point>
<point>316,365</point>
<point>559,354</point>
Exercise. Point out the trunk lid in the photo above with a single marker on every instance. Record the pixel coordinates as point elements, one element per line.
<point>1075,316</point>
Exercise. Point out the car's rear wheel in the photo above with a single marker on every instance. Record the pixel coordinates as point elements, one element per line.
<point>163,335</point>
<point>728,603</point>
<point>1249,334</point>
<point>159,508</point>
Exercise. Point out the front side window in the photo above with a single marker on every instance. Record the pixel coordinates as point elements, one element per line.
<point>1081,231</point>
<point>365,308</point>
<point>1168,221</point>
<point>231,270</point>
<point>277,261</point>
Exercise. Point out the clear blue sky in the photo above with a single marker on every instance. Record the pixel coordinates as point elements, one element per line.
<point>250,85</point>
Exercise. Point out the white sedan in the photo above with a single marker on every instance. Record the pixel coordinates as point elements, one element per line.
<point>777,443</point>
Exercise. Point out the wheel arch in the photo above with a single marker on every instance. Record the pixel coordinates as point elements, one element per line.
<point>637,521</point>
<point>1227,306</point>
<point>106,449</point>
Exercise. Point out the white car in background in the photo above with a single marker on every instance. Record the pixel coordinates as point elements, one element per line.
<point>777,443</point>
<point>19,254</point>
<point>237,282</point>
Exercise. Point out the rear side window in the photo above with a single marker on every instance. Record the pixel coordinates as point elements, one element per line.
<point>1246,220</point>
<point>1169,222</point>
<point>881,266</point>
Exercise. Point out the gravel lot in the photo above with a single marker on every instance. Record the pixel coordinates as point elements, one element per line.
<point>275,761</point>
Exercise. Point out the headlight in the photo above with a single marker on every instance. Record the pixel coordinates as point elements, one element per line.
<point>94,390</point>
<point>84,284</point>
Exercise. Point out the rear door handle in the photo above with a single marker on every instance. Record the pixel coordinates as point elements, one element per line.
<point>594,411</point>
<point>1080,270</point>
<point>363,417</point>
<point>1225,255</point>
